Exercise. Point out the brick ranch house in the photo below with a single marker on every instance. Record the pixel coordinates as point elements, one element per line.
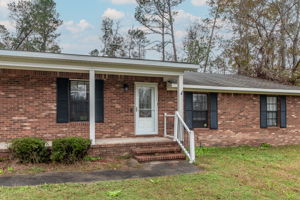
<point>127,105</point>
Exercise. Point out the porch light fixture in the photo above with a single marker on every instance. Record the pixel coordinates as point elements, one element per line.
<point>125,87</point>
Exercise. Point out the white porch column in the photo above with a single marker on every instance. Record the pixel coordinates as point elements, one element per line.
<point>180,104</point>
<point>92,106</point>
<point>180,95</point>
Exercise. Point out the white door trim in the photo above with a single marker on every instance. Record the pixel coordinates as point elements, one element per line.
<point>141,84</point>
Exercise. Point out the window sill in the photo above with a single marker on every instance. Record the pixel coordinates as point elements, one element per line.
<point>201,128</point>
<point>274,127</point>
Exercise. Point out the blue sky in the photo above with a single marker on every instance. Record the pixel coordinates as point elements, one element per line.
<point>81,29</point>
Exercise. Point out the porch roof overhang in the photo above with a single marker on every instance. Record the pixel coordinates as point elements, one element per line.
<point>238,90</point>
<point>84,63</point>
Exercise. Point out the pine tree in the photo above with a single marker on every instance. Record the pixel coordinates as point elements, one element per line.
<point>36,26</point>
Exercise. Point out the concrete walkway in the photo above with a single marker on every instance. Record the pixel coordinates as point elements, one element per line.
<point>152,169</point>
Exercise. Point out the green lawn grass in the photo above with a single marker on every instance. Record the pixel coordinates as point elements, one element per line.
<point>228,173</point>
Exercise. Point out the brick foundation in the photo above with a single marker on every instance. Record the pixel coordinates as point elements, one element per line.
<point>4,153</point>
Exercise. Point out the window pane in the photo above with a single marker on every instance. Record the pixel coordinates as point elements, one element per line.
<point>145,113</point>
<point>145,102</point>
<point>79,101</point>
<point>199,116</point>
<point>145,98</point>
<point>200,102</point>
<point>200,113</point>
<point>200,119</point>
<point>272,118</point>
<point>272,110</point>
<point>271,103</point>
<point>79,90</point>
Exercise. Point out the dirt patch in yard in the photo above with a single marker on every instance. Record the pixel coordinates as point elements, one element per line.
<point>12,167</point>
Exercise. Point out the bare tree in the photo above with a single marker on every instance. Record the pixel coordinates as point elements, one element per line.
<point>136,43</point>
<point>112,40</point>
<point>153,19</point>
<point>158,17</point>
<point>265,40</point>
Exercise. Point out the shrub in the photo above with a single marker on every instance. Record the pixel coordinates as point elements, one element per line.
<point>69,150</point>
<point>29,150</point>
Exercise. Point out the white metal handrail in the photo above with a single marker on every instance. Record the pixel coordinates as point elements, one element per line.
<point>178,134</point>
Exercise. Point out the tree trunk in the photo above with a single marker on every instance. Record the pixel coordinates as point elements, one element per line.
<point>163,39</point>
<point>210,39</point>
<point>171,22</point>
<point>283,53</point>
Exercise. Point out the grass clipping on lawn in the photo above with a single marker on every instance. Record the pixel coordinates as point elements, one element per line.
<point>230,173</point>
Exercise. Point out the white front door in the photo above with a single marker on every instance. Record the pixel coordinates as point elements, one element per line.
<point>146,108</point>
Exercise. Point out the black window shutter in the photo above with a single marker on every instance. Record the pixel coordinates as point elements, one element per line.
<point>62,104</point>
<point>263,111</point>
<point>214,111</point>
<point>282,112</point>
<point>99,100</point>
<point>188,109</point>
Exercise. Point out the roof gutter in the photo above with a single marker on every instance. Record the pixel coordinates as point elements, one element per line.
<point>199,88</point>
<point>97,59</point>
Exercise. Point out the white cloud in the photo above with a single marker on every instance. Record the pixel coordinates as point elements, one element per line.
<point>79,47</point>
<point>199,2</point>
<point>113,13</point>
<point>77,27</point>
<point>180,34</point>
<point>185,17</point>
<point>118,2</point>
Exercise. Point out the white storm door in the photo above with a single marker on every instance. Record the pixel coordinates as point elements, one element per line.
<point>146,108</point>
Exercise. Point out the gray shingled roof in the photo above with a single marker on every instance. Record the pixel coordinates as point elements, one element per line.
<point>232,80</point>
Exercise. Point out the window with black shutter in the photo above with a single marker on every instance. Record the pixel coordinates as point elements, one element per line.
<point>79,100</point>
<point>272,111</point>
<point>200,111</point>
<point>73,100</point>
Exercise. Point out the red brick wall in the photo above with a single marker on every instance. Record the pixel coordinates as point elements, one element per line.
<point>28,108</point>
<point>28,105</point>
<point>239,123</point>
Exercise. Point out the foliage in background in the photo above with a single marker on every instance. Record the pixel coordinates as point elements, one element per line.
<point>36,23</point>
<point>265,39</point>
<point>136,43</point>
<point>112,40</point>
<point>157,16</point>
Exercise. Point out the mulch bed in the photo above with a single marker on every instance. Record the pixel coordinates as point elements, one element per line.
<point>12,167</point>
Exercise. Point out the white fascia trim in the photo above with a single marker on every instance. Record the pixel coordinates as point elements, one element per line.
<point>38,66</point>
<point>85,58</point>
<point>235,89</point>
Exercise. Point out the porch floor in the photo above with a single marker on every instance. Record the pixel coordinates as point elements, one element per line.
<point>108,141</point>
<point>111,141</point>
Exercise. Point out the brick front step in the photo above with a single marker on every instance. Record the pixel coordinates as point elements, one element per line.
<point>147,158</point>
<point>154,150</point>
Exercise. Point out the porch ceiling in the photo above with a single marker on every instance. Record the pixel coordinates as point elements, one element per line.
<point>82,63</point>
